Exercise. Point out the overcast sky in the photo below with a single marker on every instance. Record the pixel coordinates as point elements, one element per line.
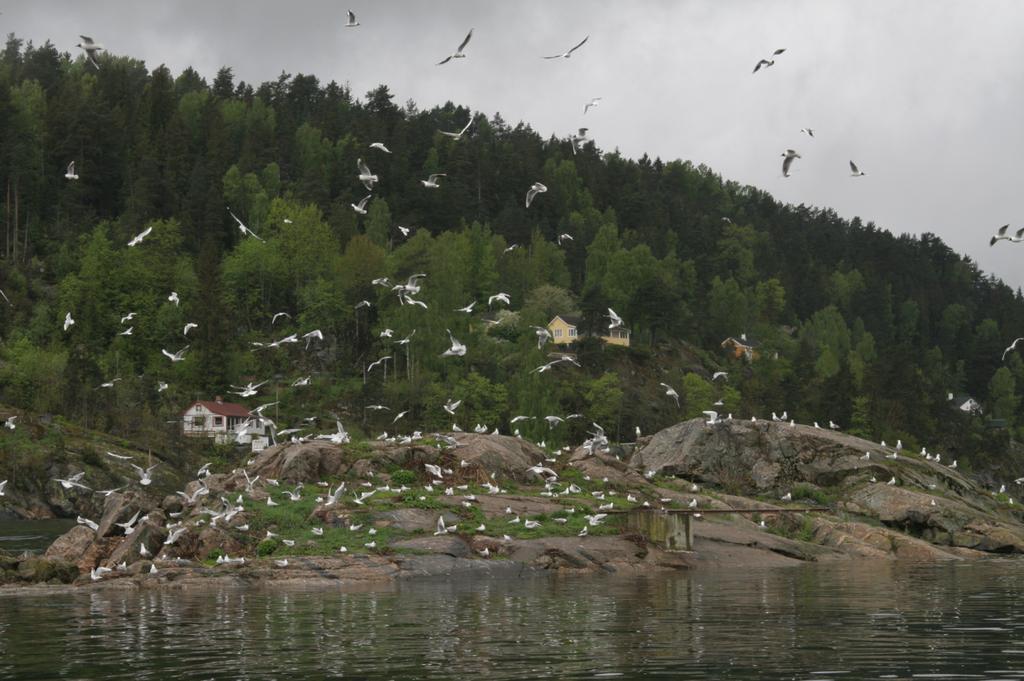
<point>927,96</point>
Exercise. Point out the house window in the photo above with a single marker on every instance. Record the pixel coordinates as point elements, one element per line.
<point>572,332</point>
<point>199,422</point>
<point>218,420</point>
<point>558,333</point>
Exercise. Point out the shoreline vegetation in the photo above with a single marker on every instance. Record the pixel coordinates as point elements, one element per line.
<point>476,505</point>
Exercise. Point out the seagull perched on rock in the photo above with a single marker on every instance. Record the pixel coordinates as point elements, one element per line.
<point>787,161</point>
<point>458,54</point>
<point>1001,235</point>
<point>535,188</point>
<point>712,417</point>
<point>137,239</point>
<point>91,48</point>
<point>566,55</point>
<point>431,181</point>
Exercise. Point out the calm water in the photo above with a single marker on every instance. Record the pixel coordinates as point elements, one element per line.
<point>17,536</point>
<point>869,621</point>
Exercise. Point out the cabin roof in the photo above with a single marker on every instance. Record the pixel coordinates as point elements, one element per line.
<point>222,408</point>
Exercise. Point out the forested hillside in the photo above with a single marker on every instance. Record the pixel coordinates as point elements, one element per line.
<point>855,324</point>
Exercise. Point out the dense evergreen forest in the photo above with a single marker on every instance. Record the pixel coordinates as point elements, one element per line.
<point>855,324</point>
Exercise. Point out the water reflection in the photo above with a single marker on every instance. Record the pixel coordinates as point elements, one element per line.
<point>815,622</point>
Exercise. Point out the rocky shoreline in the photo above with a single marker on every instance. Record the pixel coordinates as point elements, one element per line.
<point>466,505</point>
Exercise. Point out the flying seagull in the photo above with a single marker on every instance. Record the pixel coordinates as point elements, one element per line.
<point>458,53</point>
<point>178,356</point>
<point>854,171</point>
<point>380,145</point>
<point>807,131</point>
<point>580,136</point>
<point>68,321</point>
<point>278,315</point>
<point>431,182</point>
<point>1001,234</point>
<point>768,62</point>
<point>352,23</point>
<point>137,239</point>
<point>241,226</point>
<point>458,135</point>
<point>188,327</point>
<point>174,298</point>
<point>535,188</point>
<point>456,350</point>
<point>787,161</point>
<point>1012,347</point>
<point>361,206</point>
<point>91,47</point>
<point>591,104</point>
<point>566,55</point>
<point>70,172</point>
<point>670,392</point>
<point>365,176</point>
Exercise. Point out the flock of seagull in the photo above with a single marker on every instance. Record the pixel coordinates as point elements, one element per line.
<point>406,294</point>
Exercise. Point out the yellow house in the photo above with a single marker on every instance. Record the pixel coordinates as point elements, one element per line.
<point>565,330</point>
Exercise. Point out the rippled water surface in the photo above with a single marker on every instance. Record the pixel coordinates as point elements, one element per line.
<point>852,621</point>
<point>31,535</point>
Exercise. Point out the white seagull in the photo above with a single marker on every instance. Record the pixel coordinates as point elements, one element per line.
<point>671,392</point>
<point>365,176</point>
<point>188,327</point>
<point>178,356</point>
<point>137,239</point>
<point>500,297</point>
<point>144,473</point>
<point>242,228</point>
<point>380,145</point>
<point>70,173</point>
<point>174,298</point>
<point>458,54</point>
<point>1011,348</point>
<point>68,321</point>
<point>591,104</point>
<point>456,350</point>
<point>352,23</point>
<point>361,206</point>
<point>787,161</point>
<point>91,47</point>
<point>535,188</point>
<point>566,55</point>
<point>854,171</point>
<point>431,182</point>
<point>1001,234</point>
<point>458,135</point>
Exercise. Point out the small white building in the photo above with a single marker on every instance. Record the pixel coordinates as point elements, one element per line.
<point>217,419</point>
<point>965,403</point>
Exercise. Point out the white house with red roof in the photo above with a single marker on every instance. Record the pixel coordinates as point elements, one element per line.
<point>215,418</point>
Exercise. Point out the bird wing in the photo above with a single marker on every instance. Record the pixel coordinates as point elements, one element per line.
<point>465,42</point>
<point>578,45</point>
<point>758,65</point>
<point>351,17</point>
<point>86,39</point>
<point>853,167</point>
<point>778,51</point>
<point>444,61</point>
<point>1019,234</point>
<point>1002,230</point>
<point>363,168</point>
<point>786,163</point>
<point>362,203</point>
